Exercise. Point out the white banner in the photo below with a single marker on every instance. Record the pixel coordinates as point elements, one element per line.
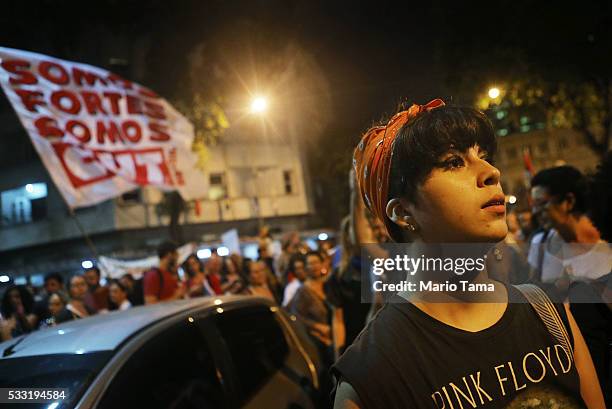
<point>98,134</point>
<point>115,268</point>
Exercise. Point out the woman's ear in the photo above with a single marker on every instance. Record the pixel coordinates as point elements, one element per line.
<point>398,212</point>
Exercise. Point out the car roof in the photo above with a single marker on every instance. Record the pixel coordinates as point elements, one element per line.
<point>104,332</point>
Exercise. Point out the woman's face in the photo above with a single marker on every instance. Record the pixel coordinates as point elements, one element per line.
<point>117,295</point>
<point>55,304</point>
<point>78,287</point>
<point>461,201</point>
<point>194,264</point>
<point>257,273</point>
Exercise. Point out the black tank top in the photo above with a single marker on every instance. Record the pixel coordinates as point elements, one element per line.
<point>406,359</point>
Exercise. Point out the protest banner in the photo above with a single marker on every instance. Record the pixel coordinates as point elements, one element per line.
<point>99,135</point>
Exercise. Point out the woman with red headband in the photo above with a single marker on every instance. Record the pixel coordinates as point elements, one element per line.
<point>428,175</point>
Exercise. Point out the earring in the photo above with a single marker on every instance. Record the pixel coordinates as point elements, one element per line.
<point>412,227</point>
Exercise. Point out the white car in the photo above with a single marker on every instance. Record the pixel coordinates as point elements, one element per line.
<point>224,352</point>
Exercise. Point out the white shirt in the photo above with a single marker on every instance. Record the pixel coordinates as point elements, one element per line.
<point>571,259</point>
<point>290,291</point>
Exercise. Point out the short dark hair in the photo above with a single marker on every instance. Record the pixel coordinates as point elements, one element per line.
<point>561,180</point>
<point>421,142</point>
<point>166,248</point>
<point>315,253</point>
<point>54,276</point>
<point>600,190</point>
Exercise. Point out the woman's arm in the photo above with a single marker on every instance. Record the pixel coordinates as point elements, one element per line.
<point>589,384</point>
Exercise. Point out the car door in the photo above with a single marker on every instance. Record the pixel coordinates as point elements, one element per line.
<point>174,368</point>
<point>260,356</point>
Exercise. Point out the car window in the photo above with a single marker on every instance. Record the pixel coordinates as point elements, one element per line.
<point>256,344</point>
<point>73,372</point>
<point>173,370</point>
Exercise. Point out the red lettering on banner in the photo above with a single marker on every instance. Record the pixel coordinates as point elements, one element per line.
<point>154,110</point>
<point>58,96</point>
<point>134,105</point>
<point>112,132</point>
<point>83,136</point>
<point>54,72</point>
<point>20,68</point>
<point>47,128</point>
<point>93,103</point>
<point>85,167</point>
<point>113,98</point>
<point>118,80</point>
<point>30,99</point>
<point>160,132</point>
<point>131,131</point>
<point>80,165</point>
<point>90,78</point>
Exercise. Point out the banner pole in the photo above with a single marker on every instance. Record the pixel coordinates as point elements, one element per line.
<point>88,241</point>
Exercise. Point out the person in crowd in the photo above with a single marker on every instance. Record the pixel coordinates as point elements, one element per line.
<point>265,255</point>
<point>231,281</point>
<point>53,283</point>
<point>161,283</point>
<point>428,175</point>
<point>290,248</point>
<point>134,288</point>
<point>311,305</point>
<point>212,271</point>
<point>571,248</point>
<point>119,295</point>
<point>17,313</point>
<point>77,307</point>
<point>297,270</point>
<point>98,297</point>
<point>258,281</point>
<point>57,310</point>
<point>344,286</point>
<point>196,283</point>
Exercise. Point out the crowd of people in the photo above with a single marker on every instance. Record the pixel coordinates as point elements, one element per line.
<point>324,287</point>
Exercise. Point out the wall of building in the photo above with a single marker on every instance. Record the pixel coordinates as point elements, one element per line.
<point>548,148</point>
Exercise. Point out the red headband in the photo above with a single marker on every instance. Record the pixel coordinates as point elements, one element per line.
<point>372,159</point>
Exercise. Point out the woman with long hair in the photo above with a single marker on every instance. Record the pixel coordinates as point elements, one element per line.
<point>428,175</point>
<point>17,317</point>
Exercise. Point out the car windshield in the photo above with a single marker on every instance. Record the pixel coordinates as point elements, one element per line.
<point>73,372</point>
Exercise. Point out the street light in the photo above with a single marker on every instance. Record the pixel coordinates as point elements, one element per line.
<point>494,92</point>
<point>259,105</point>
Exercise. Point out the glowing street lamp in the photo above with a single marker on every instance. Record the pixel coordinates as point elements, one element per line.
<point>494,92</point>
<point>259,105</point>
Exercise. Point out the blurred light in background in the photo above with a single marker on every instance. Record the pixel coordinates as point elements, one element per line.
<point>323,236</point>
<point>494,92</point>
<point>204,253</point>
<point>223,251</point>
<point>4,279</point>
<point>86,264</point>
<point>512,199</point>
<point>259,105</point>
